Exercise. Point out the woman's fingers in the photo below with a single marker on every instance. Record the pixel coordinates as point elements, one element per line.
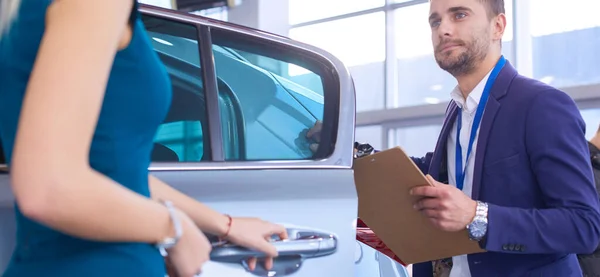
<point>252,263</point>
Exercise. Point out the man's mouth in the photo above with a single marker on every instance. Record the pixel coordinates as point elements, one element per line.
<point>448,47</point>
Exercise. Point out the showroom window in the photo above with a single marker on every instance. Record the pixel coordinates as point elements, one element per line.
<point>592,121</point>
<point>301,11</point>
<point>276,95</point>
<point>416,141</point>
<point>387,48</point>
<point>370,134</point>
<point>182,136</point>
<point>565,51</point>
<point>363,35</point>
<point>420,80</point>
<point>359,42</point>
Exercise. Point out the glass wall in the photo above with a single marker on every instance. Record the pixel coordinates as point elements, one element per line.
<point>420,80</point>
<point>302,11</point>
<point>592,121</point>
<point>387,46</point>
<point>359,41</point>
<point>415,141</point>
<point>565,52</point>
<point>371,135</point>
<point>363,33</point>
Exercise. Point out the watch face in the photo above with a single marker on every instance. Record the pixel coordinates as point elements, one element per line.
<point>478,229</point>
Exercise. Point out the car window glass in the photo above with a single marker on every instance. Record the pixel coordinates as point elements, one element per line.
<point>271,101</point>
<point>183,136</point>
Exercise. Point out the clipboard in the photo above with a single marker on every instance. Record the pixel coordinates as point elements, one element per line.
<point>383,181</point>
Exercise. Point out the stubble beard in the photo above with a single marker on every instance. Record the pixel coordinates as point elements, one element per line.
<point>466,62</point>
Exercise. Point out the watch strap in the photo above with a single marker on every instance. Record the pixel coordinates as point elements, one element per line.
<point>482,210</point>
<point>481,218</point>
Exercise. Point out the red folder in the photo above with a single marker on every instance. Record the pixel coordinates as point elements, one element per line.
<point>365,235</point>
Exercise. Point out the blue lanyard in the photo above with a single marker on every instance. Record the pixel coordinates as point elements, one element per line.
<point>460,170</point>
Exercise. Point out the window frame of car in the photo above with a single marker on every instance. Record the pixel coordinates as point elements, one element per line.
<point>339,110</point>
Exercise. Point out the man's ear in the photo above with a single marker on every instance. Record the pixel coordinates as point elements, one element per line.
<point>499,26</point>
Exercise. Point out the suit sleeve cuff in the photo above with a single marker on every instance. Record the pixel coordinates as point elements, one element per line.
<point>497,238</point>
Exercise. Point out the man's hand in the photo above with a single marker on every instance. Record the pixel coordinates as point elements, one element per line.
<point>314,134</point>
<point>447,207</point>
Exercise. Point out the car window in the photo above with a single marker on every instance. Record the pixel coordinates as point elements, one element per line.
<point>275,106</point>
<point>182,136</point>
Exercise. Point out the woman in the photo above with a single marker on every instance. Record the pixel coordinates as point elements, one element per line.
<point>83,94</point>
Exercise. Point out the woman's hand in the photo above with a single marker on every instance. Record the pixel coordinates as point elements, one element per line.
<point>254,233</point>
<point>188,256</point>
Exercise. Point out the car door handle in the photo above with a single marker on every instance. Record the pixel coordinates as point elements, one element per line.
<point>304,244</point>
<point>301,244</point>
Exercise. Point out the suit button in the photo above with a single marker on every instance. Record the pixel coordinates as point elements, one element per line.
<point>522,248</point>
<point>511,247</point>
<point>518,247</point>
<point>505,247</point>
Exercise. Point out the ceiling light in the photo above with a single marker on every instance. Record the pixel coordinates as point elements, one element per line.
<point>436,87</point>
<point>432,100</point>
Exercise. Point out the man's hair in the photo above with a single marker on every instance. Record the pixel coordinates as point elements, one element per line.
<point>494,7</point>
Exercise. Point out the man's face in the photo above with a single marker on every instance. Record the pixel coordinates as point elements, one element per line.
<point>461,32</point>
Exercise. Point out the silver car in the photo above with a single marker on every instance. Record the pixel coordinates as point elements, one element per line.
<point>235,138</point>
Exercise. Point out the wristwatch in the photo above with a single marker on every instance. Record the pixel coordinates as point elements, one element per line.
<point>478,227</point>
<point>170,242</point>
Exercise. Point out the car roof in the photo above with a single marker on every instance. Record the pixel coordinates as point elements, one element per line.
<point>146,7</point>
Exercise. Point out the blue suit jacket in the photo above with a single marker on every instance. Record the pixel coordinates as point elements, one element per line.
<point>532,167</point>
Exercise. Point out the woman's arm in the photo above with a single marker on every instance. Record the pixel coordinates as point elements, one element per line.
<point>51,177</point>
<point>206,219</point>
<point>253,233</point>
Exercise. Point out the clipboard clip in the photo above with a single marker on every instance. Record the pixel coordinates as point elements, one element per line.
<point>362,150</point>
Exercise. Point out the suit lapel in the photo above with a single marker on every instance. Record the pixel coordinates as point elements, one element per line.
<point>438,167</point>
<point>499,90</point>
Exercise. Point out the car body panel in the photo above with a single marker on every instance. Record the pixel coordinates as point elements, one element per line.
<point>289,197</point>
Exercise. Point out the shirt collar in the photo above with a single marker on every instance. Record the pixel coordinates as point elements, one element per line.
<point>470,105</point>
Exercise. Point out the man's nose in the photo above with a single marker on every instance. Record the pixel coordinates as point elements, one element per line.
<point>445,29</point>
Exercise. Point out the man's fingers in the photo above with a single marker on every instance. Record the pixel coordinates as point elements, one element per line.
<point>432,181</point>
<point>427,203</point>
<point>427,191</point>
<point>431,214</point>
<point>314,147</point>
<point>315,129</point>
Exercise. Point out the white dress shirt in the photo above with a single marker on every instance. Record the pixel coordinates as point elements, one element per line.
<point>460,267</point>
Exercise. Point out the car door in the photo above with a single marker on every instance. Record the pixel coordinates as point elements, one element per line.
<point>235,139</point>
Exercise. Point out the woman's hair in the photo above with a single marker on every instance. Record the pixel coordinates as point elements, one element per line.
<point>8,12</point>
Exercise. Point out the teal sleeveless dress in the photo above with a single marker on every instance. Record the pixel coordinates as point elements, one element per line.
<point>136,102</point>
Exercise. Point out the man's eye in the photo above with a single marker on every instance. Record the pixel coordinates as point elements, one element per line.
<point>434,23</point>
<point>460,15</point>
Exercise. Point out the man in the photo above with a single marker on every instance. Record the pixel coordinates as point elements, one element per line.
<point>590,264</point>
<point>514,154</point>
<point>521,159</point>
